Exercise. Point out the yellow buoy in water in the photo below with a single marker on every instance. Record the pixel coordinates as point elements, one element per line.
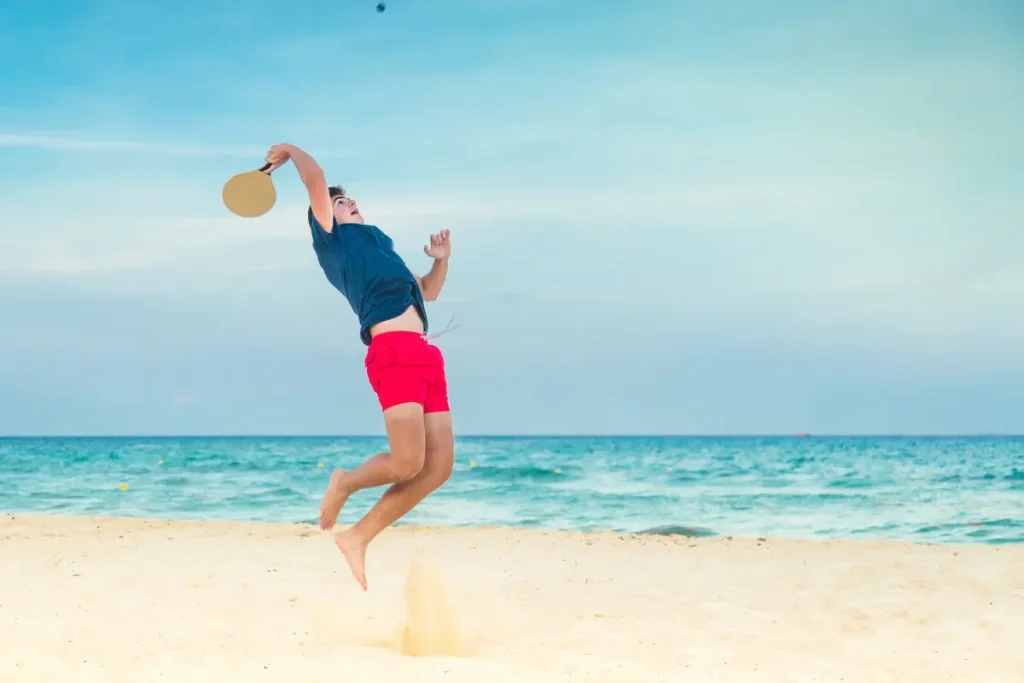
<point>159,462</point>
<point>319,464</point>
<point>124,487</point>
<point>472,463</point>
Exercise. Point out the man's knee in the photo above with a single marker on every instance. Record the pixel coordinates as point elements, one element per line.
<point>406,467</point>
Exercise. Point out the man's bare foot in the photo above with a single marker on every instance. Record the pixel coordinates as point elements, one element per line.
<point>353,547</point>
<point>333,500</point>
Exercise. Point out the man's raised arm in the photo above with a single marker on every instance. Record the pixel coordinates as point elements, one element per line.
<point>312,177</point>
<point>439,249</point>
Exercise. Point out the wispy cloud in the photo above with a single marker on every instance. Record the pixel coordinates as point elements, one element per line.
<point>76,144</point>
<point>115,242</point>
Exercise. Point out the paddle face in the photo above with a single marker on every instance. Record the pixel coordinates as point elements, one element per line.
<point>250,194</point>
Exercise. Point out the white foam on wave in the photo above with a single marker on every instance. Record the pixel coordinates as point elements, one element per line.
<point>611,484</point>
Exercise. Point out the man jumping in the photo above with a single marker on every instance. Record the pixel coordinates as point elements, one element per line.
<point>405,370</point>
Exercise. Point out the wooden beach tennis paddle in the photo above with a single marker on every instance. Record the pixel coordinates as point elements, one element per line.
<point>250,194</point>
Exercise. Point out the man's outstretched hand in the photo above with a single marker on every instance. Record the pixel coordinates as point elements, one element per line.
<point>440,247</point>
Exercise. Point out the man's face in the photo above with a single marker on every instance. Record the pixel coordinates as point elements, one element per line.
<point>346,211</point>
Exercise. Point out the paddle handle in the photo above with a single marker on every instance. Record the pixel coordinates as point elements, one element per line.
<point>264,168</point>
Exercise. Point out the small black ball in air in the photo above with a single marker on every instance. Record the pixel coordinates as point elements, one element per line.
<point>381,6</point>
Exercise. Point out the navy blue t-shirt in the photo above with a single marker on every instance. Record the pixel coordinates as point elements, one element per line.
<point>360,261</point>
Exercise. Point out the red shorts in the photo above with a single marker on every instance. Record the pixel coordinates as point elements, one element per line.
<point>403,367</point>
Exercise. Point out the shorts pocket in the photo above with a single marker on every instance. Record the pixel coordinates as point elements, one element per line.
<point>379,357</point>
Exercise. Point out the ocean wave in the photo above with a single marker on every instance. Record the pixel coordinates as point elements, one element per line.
<point>931,490</point>
<point>523,473</point>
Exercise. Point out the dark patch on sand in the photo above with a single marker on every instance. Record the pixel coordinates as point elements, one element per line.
<point>678,530</point>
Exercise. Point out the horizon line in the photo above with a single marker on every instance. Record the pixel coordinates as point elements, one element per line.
<point>552,435</point>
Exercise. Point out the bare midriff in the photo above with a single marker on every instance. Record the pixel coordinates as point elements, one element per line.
<point>409,321</point>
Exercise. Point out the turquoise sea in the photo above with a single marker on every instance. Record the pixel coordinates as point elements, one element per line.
<point>937,490</point>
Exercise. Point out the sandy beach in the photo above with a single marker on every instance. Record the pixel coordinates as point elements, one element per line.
<point>126,600</point>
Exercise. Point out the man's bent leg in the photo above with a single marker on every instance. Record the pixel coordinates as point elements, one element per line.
<point>405,428</point>
<point>399,499</point>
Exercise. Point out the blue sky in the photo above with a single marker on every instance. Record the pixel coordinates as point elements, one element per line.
<point>667,217</point>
